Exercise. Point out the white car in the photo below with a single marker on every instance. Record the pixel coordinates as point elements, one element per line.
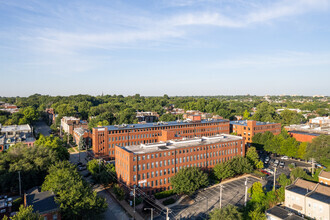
<point>285,158</point>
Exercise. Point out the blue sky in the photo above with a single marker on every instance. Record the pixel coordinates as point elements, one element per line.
<point>156,47</point>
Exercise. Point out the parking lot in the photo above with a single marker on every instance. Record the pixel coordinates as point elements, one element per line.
<point>206,200</point>
<point>279,170</point>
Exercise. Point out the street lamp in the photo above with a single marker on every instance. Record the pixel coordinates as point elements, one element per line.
<point>152,210</point>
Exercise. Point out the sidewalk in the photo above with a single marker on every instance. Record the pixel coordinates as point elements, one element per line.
<point>125,206</point>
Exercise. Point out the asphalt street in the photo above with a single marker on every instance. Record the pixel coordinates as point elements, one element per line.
<point>114,210</point>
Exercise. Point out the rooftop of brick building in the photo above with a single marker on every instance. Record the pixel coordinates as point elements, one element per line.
<point>158,124</point>
<point>244,123</point>
<point>176,144</point>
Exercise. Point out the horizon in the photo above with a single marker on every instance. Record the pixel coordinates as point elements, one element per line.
<point>131,95</point>
<point>174,47</point>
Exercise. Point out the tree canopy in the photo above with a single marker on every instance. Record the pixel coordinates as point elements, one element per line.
<point>228,212</point>
<point>188,180</point>
<point>54,143</point>
<point>32,162</point>
<point>26,213</point>
<point>75,196</point>
<point>233,167</point>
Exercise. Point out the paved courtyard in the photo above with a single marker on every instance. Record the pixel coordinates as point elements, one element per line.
<point>206,200</point>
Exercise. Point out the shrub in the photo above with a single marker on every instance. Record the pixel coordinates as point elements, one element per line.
<point>169,201</point>
<point>16,203</point>
<point>164,194</point>
<point>119,192</point>
<point>259,173</point>
<point>291,166</point>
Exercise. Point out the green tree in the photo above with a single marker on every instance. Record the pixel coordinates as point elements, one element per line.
<point>167,117</point>
<point>257,193</point>
<point>188,180</point>
<point>104,174</point>
<point>301,152</point>
<point>252,156</point>
<point>298,173</point>
<point>30,114</point>
<point>74,195</point>
<point>223,170</point>
<point>319,149</point>
<point>283,180</point>
<point>55,144</point>
<point>228,212</point>
<point>246,115</point>
<point>26,213</point>
<point>32,162</point>
<point>257,214</point>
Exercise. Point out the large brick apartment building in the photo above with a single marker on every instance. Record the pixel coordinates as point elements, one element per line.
<point>248,128</point>
<point>106,138</point>
<point>150,166</point>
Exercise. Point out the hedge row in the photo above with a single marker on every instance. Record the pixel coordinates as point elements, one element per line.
<point>164,194</point>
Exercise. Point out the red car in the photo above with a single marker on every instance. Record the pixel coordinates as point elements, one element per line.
<point>265,172</point>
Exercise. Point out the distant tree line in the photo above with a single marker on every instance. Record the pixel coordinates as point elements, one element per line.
<point>117,109</point>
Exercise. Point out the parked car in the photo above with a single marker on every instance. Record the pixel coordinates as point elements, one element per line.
<point>276,163</point>
<point>281,164</point>
<point>265,172</point>
<point>285,158</point>
<point>81,168</point>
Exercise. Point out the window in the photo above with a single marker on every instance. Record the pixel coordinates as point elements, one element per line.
<point>134,178</point>
<point>134,168</point>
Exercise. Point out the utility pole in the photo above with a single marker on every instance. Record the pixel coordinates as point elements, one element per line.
<point>274,179</point>
<point>19,180</point>
<point>207,204</point>
<point>246,190</point>
<point>167,213</point>
<point>152,210</point>
<point>312,166</point>
<point>134,202</point>
<point>220,194</point>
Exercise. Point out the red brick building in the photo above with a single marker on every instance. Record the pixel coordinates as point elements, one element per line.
<point>324,177</point>
<point>303,136</point>
<point>150,166</point>
<point>106,138</point>
<point>306,132</point>
<point>68,124</point>
<point>85,134</point>
<point>248,128</point>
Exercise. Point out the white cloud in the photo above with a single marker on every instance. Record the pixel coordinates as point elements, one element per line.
<point>158,28</point>
<point>269,61</point>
